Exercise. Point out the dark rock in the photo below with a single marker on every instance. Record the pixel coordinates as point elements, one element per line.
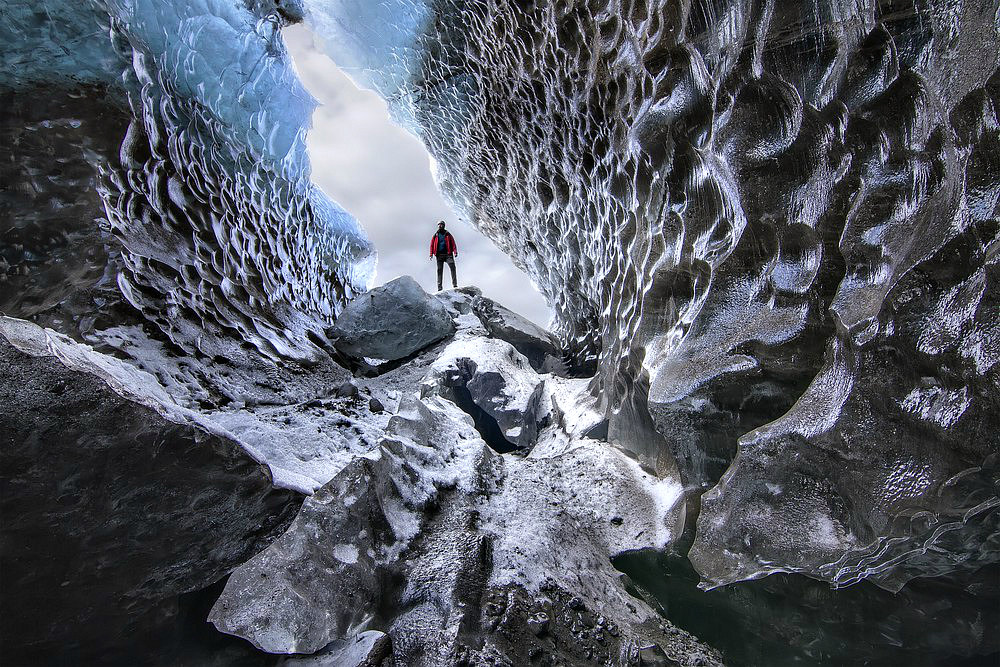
<point>598,431</point>
<point>347,390</point>
<point>552,624</point>
<point>289,12</point>
<point>651,654</point>
<point>391,322</point>
<point>115,501</point>
<point>531,340</point>
<point>375,405</point>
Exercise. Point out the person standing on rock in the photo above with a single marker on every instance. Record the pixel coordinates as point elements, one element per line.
<point>443,247</point>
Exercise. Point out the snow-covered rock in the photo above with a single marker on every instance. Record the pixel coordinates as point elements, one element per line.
<point>335,554</point>
<point>436,531</point>
<point>493,377</point>
<point>535,343</point>
<point>460,300</point>
<point>368,649</point>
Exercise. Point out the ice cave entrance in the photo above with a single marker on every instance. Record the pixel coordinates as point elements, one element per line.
<point>381,174</point>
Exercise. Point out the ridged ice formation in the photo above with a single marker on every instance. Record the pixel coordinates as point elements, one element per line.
<point>222,238</point>
<point>771,226</point>
<point>750,212</point>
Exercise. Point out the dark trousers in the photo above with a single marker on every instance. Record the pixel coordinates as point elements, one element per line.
<point>451,262</point>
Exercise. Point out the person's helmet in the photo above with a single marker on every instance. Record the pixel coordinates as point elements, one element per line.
<point>441,225</point>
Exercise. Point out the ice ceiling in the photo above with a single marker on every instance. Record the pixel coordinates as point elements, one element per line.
<point>208,197</point>
<point>773,226</point>
<point>770,226</point>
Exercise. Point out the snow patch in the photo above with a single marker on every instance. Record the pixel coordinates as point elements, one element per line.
<point>346,553</point>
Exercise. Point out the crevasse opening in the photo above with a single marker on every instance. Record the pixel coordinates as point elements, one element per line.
<point>382,175</point>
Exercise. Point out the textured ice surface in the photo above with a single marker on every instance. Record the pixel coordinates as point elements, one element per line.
<point>769,227</point>
<point>773,225</point>
<point>377,43</point>
<point>221,236</point>
<point>216,159</point>
<point>58,42</point>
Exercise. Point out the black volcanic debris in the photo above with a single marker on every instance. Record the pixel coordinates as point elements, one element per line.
<point>763,431</point>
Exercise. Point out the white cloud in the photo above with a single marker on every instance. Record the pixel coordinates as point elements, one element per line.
<point>381,175</point>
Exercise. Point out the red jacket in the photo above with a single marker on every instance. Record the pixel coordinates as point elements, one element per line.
<point>449,244</point>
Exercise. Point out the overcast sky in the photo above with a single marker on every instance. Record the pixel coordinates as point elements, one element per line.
<point>381,175</point>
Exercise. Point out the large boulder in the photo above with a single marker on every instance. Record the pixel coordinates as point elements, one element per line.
<point>257,603</point>
<point>115,501</point>
<point>391,322</point>
<point>350,535</point>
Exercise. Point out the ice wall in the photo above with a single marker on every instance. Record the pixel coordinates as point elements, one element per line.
<point>771,227</point>
<point>772,224</point>
<point>221,237</point>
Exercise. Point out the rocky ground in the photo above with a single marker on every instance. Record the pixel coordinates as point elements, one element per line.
<point>427,495</point>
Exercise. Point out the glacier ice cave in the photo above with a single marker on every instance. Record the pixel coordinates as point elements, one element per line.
<point>764,429</point>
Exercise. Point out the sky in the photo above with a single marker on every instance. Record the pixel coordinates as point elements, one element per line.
<point>381,175</point>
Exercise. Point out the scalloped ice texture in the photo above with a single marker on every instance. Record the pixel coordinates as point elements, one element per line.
<point>223,238</point>
<point>748,213</point>
<point>772,225</point>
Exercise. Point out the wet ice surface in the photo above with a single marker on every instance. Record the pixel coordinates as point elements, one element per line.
<point>774,228</point>
<point>769,231</point>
